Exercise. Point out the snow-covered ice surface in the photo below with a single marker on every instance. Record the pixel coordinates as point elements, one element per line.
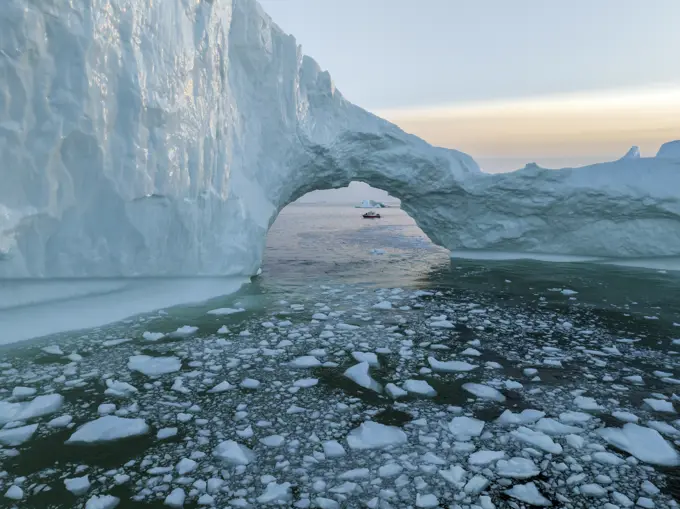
<point>271,418</point>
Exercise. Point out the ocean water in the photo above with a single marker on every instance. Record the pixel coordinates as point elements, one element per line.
<point>358,369</point>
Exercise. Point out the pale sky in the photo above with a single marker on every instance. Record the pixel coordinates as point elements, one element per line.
<point>508,81</point>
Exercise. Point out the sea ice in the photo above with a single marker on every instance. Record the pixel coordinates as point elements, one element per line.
<point>108,428</point>
<point>373,435</point>
<point>154,366</point>
<point>644,443</point>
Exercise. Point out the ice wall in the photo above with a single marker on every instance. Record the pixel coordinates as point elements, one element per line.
<point>141,137</point>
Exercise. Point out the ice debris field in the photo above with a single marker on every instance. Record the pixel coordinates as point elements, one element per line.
<point>349,397</point>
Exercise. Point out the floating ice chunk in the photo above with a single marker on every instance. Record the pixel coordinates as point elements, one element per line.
<point>538,439</point>
<point>644,443</point>
<point>463,428</point>
<point>106,408</point>
<point>472,352</point>
<point>166,433</point>
<point>659,405</point>
<point>527,416</point>
<point>233,453</point>
<point>433,459</point>
<point>176,498</point>
<point>186,466</point>
<point>326,503</point>
<point>225,311</point>
<point>119,389</point>
<point>385,304</point>
<point>353,475</point>
<point>607,458</point>
<point>369,357</point>
<point>102,502</point>
<point>586,403</point>
<point>16,436</point>
<point>306,382</point>
<point>485,457</point>
<point>567,291</point>
<point>23,392</point>
<point>419,387</point>
<point>476,485</point>
<point>390,470</point>
<point>663,427</point>
<point>25,411</point>
<point>154,366</point>
<point>153,336</point>
<point>250,383</point>
<point>346,326</point>
<point>53,350</point>
<point>14,493</point>
<point>484,392</point>
<point>426,501</point>
<point>221,387</point>
<point>529,494</point>
<point>184,331</point>
<point>394,391</point>
<point>306,361</point>
<point>108,428</point>
<point>575,417</point>
<point>450,366</point>
<point>625,416</point>
<point>273,441</point>
<point>373,435</point>
<point>276,493</point>
<point>592,490</point>
<point>60,422</point>
<point>78,485</point>
<point>552,427</point>
<point>360,376</point>
<point>455,474</point>
<point>223,330</point>
<point>442,324</point>
<point>517,468</point>
<point>333,449</point>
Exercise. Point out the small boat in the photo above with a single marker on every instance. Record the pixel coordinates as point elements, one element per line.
<point>371,215</point>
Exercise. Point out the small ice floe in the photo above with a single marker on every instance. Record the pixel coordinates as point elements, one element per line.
<point>233,453</point>
<point>385,304</point>
<point>154,366</point>
<point>484,457</point>
<point>527,416</point>
<point>376,251</point>
<point>420,387</point>
<point>277,494</point>
<point>250,383</point>
<point>517,468</point>
<point>555,428</point>
<point>60,422</point>
<point>23,392</point>
<point>442,324</point>
<point>108,428</point>
<point>164,433</point>
<point>450,366</point>
<point>223,330</point>
<point>484,392</point>
<point>221,387</point>
<point>115,342</point>
<point>394,391</point>
<point>175,499</point>
<point>306,361</point>
<point>152,336</point>
<point>464,428</point>
<point>53,350</point>
<point>360,376</point>
<point>119,389</point>
<point>305,383</point>
<point>225,311</point>
<point>537,439</point>
<point>625,416</point>
<point>102,502</point>
<point>659,405</point>
<point>373,435</point>
<point>529,494</point>
<point>369,357</point>
<point>644,443</point>
<point>78,485</point>
<point>333,449</point>
<point>586,403</point>
<point>13,437</point>
<point>25,411</point>
<point>471,352</point>
<point>184,332</point>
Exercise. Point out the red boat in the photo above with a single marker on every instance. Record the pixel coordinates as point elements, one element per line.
<point>371,215</point>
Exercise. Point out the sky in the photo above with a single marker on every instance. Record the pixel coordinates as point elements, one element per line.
<point>507,81</point>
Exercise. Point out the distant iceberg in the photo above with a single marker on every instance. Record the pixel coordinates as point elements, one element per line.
<point>371,204</point>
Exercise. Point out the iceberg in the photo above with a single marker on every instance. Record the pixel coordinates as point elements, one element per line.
<point>163,138</point>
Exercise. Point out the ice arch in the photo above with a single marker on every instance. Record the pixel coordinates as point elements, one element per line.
<point>152,138</point>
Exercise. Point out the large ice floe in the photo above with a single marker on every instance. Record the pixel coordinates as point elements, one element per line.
<point>156,138</point>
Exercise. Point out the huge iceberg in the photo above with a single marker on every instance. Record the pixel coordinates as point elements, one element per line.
<point>143,137</point>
